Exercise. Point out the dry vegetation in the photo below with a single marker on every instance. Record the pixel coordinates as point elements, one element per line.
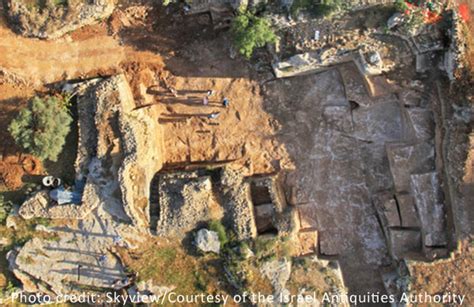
<point>454,275</point>
<point>168,264</point>
<point>312,277</point>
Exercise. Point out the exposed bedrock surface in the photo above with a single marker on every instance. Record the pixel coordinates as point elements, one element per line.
<point>52,19</point>
<point>352,155</point>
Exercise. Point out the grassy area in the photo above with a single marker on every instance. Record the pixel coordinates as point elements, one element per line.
<point>313,277</point>
<point>25,231</point>
<point>217,226</point>
<point>168,264</point>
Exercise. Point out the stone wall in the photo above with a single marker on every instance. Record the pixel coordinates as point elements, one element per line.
<point>114,138</point>
<point>185,202</point>
<point>142,154</point>
<point>453,57</point>
<point>238,204</point>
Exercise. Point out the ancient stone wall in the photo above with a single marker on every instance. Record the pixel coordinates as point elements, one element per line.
<point>113,140</point>
<point>238,204</point>
<point>185,202</point>
<point>142,153</point>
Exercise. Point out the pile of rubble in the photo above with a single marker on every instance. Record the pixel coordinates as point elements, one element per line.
<point>328,47</point>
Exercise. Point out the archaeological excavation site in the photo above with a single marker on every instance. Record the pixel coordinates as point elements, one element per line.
<point>237,152</point>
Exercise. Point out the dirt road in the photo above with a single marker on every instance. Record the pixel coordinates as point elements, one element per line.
<point>39,61</point>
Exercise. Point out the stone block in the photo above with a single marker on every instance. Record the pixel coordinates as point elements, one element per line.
<point>404,242</point>
<point>430,206</point>
<point>407,159</point>
<point>408,214</point>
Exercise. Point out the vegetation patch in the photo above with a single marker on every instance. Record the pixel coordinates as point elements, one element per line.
<point>42,127</point>
<point>5,207</point>
<point>250,32</point>
<point>40,5</point>
<point>312,277</point>
<point>169,265</point>
<point>216,225</point>
<point>325,8</point>
<point>25,230</point>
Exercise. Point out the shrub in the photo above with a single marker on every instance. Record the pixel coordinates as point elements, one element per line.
<point>216,225</point>
<point>42,127</point>
<point>329,6</point>
<point>250,32</point>
<point>324,8</point>
<point>265,247</point>
<point>401,6</point>
<point>5,207</point>
<point>302,5</point>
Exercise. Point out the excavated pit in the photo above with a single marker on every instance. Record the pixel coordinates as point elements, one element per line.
<point>368,179</point>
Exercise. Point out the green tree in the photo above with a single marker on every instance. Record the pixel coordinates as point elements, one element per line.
<point>42,127</point>
<point>250,32</point>
<point>401,5</point>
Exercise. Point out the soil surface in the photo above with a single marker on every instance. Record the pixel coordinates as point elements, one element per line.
<point>447,276</point>
<point>13,164</point>
<point>191,136</point>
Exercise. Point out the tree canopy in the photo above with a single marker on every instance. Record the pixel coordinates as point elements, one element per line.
<point>42,127</point>
<point>250,32</point>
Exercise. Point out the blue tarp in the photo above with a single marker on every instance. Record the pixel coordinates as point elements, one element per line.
<point>61,196</point>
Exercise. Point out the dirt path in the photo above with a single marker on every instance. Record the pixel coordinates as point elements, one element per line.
<point>39,61</point>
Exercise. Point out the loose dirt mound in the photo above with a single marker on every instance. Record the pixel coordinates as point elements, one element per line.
<point>13,168</point>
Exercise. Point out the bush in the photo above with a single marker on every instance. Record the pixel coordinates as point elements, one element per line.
<point>216,225</point>
<point>5,207</point>
<point>250,32</point>
<point>327,7</point>
<point>265,247</point>
<point>41,129</point>
<point>324,8</point>
<point>401,6</point>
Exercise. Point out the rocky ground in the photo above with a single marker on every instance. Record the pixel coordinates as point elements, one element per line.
<point>332,150</point>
